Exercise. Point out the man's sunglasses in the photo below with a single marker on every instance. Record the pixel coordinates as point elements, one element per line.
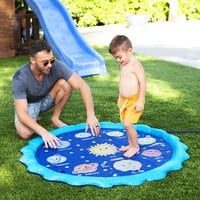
<point>46,62</point>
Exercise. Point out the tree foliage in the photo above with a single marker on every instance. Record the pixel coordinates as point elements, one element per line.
<point>190,8</point>
<point>99,12</point>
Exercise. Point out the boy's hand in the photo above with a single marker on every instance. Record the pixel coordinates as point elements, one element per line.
<point>139,106</point>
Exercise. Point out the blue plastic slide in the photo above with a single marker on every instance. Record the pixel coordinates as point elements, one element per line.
<point>65,39</point>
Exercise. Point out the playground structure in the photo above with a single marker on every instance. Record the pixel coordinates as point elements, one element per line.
<point>6,28</point>
<point>64,37</point>
<point>11,41</point>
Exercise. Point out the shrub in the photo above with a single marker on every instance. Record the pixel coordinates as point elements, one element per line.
<point>99,12</point>
<point>96,12</point>
<point>190,8</point>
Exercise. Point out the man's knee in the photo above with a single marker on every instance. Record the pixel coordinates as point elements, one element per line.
<point>62,84</point>
<point>24,136</point>
<point>23,132</point>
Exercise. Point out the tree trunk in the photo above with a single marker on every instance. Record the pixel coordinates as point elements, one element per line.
<point>173,11</point>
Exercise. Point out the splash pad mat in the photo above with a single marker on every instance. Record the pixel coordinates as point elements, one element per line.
<point>82,159</point>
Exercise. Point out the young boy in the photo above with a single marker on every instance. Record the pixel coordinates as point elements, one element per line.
<point>132,89</point>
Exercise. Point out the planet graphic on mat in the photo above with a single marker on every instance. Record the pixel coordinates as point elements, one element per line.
<point>83,135</point>
<point>63,144</point>
<point>127,165</point>
<point>115,133</point>
<point>151,153</point>
<point>56,159</point>
<point>146,140</point>
<point>83,159</point>
<point>85,168</point>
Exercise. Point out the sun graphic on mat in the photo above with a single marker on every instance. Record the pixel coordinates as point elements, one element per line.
<point>104,149</point>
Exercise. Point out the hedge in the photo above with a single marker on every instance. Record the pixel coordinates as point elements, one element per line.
<point>99,12</point>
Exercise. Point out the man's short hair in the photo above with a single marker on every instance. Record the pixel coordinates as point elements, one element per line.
<point>37,46</point>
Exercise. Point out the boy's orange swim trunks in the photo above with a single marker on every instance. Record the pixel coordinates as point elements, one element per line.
<point>127,109</point>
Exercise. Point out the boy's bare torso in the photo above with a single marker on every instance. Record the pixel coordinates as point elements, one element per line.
<point>129,84</point>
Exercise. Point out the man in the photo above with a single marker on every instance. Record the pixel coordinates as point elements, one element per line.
<point>42,84</point>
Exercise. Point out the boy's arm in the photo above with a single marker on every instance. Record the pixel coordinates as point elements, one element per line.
<point>118,101</point>
<point>142,87</point>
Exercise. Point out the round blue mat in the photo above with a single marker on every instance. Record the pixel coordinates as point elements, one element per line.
<point>82,159</point>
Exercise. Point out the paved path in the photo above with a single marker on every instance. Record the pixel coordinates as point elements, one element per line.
<point>176,42</point>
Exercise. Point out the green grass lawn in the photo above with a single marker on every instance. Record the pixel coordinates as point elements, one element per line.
<point>172,102</point>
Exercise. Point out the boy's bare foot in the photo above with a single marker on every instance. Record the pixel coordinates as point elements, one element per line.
<point>124,148</point>
<point>58,123</point>
<point>129,151</point>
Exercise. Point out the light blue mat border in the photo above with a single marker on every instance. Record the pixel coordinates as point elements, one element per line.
<point>179,156</point>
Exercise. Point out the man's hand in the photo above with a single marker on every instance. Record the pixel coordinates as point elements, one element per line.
<point>94,124</point>
<point>50,140</point>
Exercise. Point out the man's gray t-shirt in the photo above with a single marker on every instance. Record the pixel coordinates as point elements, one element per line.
<point>25,86</point>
